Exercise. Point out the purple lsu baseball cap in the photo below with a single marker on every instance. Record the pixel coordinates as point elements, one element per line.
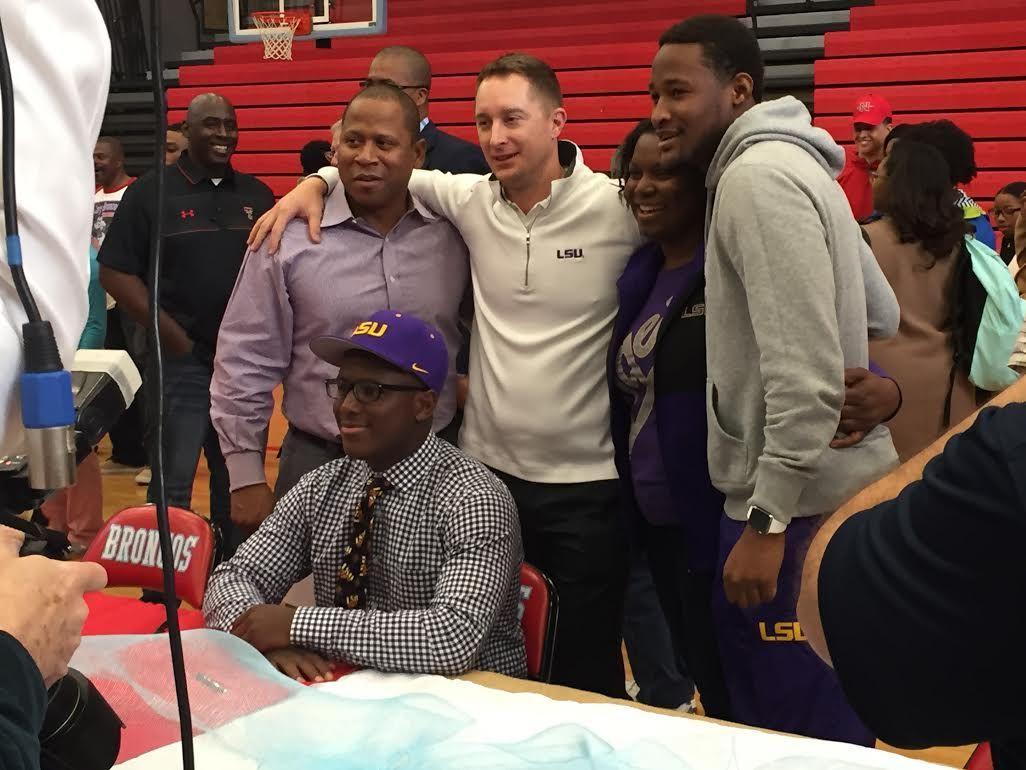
<point>401,339</point>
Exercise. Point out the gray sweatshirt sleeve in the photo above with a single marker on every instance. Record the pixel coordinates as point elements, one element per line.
<point>787,274</point>
<point>882,311</point>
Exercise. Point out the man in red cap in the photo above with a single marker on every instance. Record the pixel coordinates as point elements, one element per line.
<point>872,122</point>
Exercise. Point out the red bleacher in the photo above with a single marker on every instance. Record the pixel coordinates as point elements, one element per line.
<point>953,37</point>
<point>922,68</point>
<point>439,42</point>
<point>933,97</point>
<point>605,58</point>
<point>603,68</point>
<point>912,51</point>
<point>929,67</point>
<point>917,15</point>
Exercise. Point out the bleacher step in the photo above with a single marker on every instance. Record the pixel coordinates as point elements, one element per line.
<point>808,48</point>
<point>812,22</point>
<point>771,7</point>
<point>603,67</point>
<point>785,76</point>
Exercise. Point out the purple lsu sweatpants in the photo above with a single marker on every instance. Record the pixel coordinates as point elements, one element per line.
<point>775,680</point>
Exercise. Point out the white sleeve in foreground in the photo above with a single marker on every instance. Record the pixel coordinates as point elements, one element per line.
<point>60,64</point>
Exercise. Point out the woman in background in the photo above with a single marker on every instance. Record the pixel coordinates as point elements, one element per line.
<point>919,244</point>
<point>1007,205</point>
<point>956,147</point>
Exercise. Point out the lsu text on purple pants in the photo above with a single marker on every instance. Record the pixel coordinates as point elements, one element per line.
<point>775,679</point>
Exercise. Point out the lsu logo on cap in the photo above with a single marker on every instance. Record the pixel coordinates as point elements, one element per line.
<point>370,328</point>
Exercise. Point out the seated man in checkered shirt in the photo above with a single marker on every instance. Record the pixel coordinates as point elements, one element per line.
<point>414,547</point>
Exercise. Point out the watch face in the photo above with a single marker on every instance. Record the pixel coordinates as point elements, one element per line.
<point>759,520</point>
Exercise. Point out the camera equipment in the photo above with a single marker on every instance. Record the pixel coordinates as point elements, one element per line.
<point>80,730</point>
<point>103,385</point>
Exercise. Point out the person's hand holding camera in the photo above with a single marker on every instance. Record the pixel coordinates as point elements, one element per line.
<point>41,603</point>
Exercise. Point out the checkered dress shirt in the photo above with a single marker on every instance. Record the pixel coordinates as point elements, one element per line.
<point>444,584</point>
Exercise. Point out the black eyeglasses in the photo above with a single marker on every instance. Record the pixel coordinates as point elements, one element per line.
<point>1009,213</point>
<point>366,391</point>
<point>367,82</point>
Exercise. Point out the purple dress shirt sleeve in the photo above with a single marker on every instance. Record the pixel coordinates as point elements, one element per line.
<point>254,350</point>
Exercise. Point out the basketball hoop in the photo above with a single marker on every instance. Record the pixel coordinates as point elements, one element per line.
<point>277,29</point>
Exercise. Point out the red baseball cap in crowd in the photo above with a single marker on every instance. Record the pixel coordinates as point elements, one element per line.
<point>871,110</point>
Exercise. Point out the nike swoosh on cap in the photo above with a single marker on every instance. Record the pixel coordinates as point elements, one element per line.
<point>416,368</point>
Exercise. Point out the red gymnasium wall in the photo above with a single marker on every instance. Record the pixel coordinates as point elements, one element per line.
<point>935,60</point>
<point>601,56</point>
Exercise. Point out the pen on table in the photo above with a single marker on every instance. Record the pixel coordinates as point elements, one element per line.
<point>213,685</point>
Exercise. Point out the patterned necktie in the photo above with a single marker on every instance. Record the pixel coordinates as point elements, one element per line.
<point>351,590</point>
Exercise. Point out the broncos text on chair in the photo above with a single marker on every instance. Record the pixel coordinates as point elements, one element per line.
<point>128,548</point>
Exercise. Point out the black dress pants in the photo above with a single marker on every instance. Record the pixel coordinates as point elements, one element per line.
<point>574,534</point>
<point>686,598</point>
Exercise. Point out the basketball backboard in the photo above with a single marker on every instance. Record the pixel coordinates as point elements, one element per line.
<point>331,18</point>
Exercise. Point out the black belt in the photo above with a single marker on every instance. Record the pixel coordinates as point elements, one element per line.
<point>325,444</point>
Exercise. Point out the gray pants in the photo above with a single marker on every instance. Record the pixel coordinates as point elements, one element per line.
<point>300,454</point>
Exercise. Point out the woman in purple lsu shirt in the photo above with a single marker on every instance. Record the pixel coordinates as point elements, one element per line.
<point>659,348</point>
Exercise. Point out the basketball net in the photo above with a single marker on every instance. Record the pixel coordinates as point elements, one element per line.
<point>276,30</point>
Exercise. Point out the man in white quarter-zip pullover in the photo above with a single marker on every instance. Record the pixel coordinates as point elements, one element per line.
<point>548,238</point>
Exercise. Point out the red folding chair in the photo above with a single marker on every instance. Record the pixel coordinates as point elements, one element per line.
<point>539,613</point>
<point>980,758</point>
<point>128,548</point>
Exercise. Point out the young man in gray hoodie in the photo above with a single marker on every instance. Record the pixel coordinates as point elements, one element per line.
<point>791,290</point>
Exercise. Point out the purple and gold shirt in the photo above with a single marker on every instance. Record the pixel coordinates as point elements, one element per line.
<point>635,375</point>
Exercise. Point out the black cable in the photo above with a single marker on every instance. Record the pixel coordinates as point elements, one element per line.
<point>156,378</point>
<point>10,198</point>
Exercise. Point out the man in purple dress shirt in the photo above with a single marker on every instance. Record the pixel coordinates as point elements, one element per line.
<point>379,248</point>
